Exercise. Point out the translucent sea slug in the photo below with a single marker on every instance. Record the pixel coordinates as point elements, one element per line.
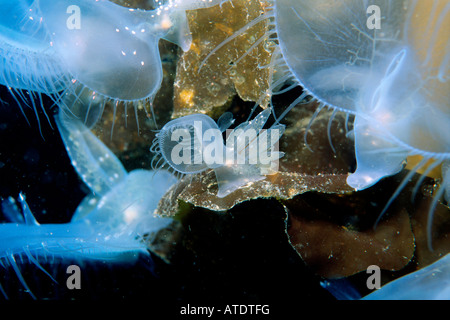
<point>194,143</point>
<point>385,62</point>
<point>393,76</point>
<point>64,47</point>
<point>109,224</point>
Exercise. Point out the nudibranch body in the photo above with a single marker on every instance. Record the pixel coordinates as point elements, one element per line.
<point>61,48</point>
<point>392,74</point>
<point>393,78</point>
<point>194,143</point>
<point>386,62</point>
<point>109,224</point>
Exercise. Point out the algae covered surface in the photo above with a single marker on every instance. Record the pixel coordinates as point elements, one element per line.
<point>205,86</point>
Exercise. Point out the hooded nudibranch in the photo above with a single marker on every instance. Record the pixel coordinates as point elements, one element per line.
<point>385,62</point>
<point>55,47</point>
<point>194,143</point>
<point>109,224</point>
<point>394,77</point>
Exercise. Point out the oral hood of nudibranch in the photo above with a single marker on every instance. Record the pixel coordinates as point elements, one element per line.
<point>387,64</point>
<point>194,143</point>
<point>408,109</point>
<point>64,49</point>
<point>114,52</point>
<point>393,77</point>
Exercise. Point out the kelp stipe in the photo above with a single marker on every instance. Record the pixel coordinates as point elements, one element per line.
<point>109,224</point>
<point>194,143</point>
<point>429,283</point>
